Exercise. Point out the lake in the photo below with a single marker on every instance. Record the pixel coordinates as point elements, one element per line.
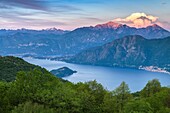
<point>109,77</point>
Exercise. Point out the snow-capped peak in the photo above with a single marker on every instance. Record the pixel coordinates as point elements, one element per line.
<point>53,29</point>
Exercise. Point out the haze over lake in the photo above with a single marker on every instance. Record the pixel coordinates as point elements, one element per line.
<point>109,77</point>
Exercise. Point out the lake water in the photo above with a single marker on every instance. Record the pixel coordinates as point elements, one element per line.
<point>109,77</point>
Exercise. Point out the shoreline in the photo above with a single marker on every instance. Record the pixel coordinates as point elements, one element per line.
<point>154,69</point>
<point>146,68</point>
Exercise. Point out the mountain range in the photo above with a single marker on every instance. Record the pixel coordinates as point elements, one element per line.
<point>131,51</point>
<point>55,42</point>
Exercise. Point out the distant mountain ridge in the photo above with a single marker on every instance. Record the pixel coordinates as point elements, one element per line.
<point>23,30</point>
<point>148,32</point>
<point>54,42</point>
<point>130,51</point>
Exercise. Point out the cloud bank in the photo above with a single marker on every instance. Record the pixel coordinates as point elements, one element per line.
<point>31,4</point>
<point>140,20</point>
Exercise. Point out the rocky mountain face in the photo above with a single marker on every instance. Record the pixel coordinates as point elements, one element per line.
<point>54,42</point>
<point>130,51</point>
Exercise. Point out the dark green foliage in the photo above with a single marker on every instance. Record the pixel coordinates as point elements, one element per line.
<point>138,106</point>
<point>159,101</point>
<point>109,103</point>
<point>92,95</point>
<point>30,107</point>
<point>9,66</point>
<point>122,96</point>
<point>151,88</point>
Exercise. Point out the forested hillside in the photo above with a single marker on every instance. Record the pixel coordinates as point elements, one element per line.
<point>9,66</point>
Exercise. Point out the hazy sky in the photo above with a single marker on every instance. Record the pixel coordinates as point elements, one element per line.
<point>70,14</point>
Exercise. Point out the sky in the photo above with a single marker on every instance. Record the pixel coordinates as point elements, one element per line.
<point>71,14</point>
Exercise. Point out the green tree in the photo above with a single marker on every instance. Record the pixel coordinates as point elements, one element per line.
<point>109,103</point>
<point>122,96</point>
<point>4,104</point>
<point>92,95</point>
<point>159,100</point>
<point>138,106</point>
<point>30,107</point>
<point>151,88</point>
<point>97,91</point>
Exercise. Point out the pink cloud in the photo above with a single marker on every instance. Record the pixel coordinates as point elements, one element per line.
<point>140,20</point>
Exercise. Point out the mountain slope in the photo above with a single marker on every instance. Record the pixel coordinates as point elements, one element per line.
<point>130,51</point>
<point>9,66</point>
